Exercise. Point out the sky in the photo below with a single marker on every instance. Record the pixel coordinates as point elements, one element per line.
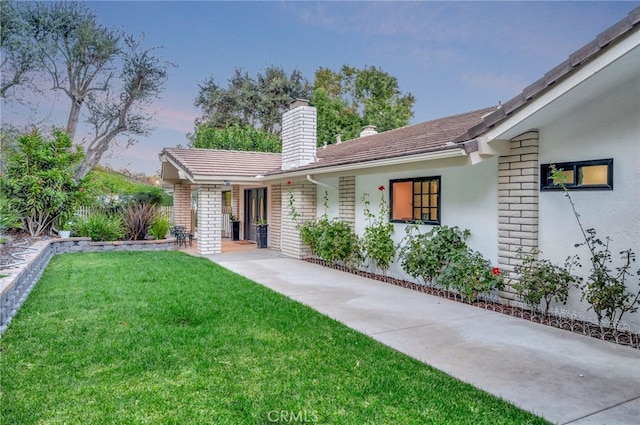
<point>454,57</point>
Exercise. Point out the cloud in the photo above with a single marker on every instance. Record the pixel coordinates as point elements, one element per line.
<point>174,119</point>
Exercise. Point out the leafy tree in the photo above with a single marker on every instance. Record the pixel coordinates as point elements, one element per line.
<point>352,98</point>
<point>94,66</point>
<point>235,137</point>
<point>248,101</point>
<point>19,53</point>
<point>39,179</point>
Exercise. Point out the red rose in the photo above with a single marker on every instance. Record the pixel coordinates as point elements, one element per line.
<point>496,271</point>
<point>288,182</point>
<point>381,188</point>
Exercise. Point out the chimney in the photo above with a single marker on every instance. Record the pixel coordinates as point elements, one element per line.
<point>298,135</point>
<point>368,130</point>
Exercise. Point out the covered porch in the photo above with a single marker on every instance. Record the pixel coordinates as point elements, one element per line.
<point>213,188</point>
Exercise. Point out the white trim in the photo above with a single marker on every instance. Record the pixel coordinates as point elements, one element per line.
<point>559,89</point>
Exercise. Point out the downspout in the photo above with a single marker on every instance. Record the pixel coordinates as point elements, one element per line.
<point>320,183</point>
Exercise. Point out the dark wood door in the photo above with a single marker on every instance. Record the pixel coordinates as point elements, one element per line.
<point>255,209</point>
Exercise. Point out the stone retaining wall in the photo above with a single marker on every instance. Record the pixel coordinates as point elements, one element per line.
<point>17,282</point>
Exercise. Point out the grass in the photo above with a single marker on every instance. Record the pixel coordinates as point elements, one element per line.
<point>164,338</point>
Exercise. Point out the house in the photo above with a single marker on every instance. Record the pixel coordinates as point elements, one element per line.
<point>486,170</point>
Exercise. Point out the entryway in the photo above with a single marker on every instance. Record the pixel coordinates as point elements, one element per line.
<point>255,209</point>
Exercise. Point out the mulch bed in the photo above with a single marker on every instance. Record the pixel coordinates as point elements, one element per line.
<point>571,324</point>
<point>15,243</point>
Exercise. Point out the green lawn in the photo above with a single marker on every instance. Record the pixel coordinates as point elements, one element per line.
<point>165,338</point>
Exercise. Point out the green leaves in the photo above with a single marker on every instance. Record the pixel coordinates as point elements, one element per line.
<point>40,180</point>
<point>235,137</point>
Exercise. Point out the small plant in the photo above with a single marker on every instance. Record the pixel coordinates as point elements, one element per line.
<point>160,227</point>
<point>138,219</point>
<point>331,240</point>
<point>261,222</point>
<point>64,221</point>
<point>606,288</point>
<point>9,217</point>
<point>470,274</point>
<point>233,218</point>
<point>425,255</point>
<point>542,281</point>
<point>100,227</point>
<point>377,244</point>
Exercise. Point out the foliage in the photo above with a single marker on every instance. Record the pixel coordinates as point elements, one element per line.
<point>137,219</point>
<point>352,98</point>
<point>100,227</point>
<point>160,227</point>
<point>234,137</point>
<point>40,180</point>
<point>136,331</point>
<point>377,243</point>
<point>425,255</point>
<point>606,287</point>
<point>541,280</point>
<point>64,45</point>
<point>106,183</point>
<point>470,274</point>
<point>332,240</point>
<point>258,102</point>
<point>9,217</point>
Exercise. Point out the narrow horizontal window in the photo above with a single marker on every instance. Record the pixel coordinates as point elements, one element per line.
<point>415,200</point>
<point>578,175</point>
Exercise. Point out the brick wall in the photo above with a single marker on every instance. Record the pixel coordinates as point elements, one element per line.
<point>209,219</point>
<point>275,218</point>
<point>182,205</point>
<point>517,202</point>
<point>304,194</point>
<point>347,200</point>
<point>298,137</point>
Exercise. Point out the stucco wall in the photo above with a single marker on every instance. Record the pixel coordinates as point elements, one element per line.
<point>606,128</point>
<point>469,201</point>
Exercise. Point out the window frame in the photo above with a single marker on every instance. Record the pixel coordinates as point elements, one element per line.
<point>547,185</point>
<point>413,180</point>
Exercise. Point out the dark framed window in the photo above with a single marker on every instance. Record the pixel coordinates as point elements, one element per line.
<point>415,200</point>
<point>579,175</point>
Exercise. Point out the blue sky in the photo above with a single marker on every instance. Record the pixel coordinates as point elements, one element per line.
<point>453,56</point>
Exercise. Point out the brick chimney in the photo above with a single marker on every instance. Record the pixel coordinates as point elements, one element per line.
<point>298,135</point>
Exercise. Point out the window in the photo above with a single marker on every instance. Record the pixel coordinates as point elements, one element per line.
<point>414,200</point>
<point>579,175</point>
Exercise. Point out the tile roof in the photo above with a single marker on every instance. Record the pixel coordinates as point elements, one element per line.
<point>560,72</point>
<point>430,136</point>
<point>210,162</point>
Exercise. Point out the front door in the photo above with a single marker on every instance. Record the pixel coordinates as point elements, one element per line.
<point>255,209</point>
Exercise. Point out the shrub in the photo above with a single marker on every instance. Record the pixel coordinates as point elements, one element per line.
<point>425,255</point>
<point>160,227</point>
<point>99,227</point>
<point>377,244</point>
<point>137,219</point>
<point>470,274</point>
<point>9,217</point>
<point>542,281</point>
<point>331,240</point>
<point>40,179</point>
<point>605,289</point>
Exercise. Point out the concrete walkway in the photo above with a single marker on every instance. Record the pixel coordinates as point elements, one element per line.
<point>564,377</point>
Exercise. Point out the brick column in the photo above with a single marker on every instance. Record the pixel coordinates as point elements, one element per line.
<point>182,205</point>
<point>304,195</point>
<point>347,200</point>
<point>275,214</point>
<point>517,202</point>
<point>209,219</point>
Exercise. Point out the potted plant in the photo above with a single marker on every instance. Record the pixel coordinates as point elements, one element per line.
<point>235,227</point>
<point>63,225</point>
<point>261,227</point>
